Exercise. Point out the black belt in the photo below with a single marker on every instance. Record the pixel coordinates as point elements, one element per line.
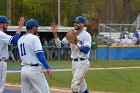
<point>35,65</point>
<point>76,59</point>
<point>2,60</point>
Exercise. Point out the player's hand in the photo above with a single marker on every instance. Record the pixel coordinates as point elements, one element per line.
<point>21,21</point>
<point>49,73</point>
<point>54,28</point>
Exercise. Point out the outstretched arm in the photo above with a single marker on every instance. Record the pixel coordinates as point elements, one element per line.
<point>58,42</point>
<point>54,29</point>
<point>21,23</point>
<point>15,38</point>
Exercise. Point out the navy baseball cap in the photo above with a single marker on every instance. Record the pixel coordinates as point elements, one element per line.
<point>3,19</point>
<point>80,19</point>
<point>31,23</point>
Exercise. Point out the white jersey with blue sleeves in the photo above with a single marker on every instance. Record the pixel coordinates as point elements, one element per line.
<point>4,41</point>
<point>28,46</point>
<point>84,38</point>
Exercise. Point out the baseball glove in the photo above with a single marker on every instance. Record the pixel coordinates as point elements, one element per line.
<point>71,36</point>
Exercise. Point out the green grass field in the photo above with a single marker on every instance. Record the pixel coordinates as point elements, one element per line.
<point>93,64</point>
<point>121,81</point>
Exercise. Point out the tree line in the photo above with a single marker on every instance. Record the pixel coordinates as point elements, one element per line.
<point>96,11</point>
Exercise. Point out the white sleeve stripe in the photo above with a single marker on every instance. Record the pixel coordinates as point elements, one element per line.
<point>10,39</point>
<point>63,43</point>
<point>87,46</point>
<point>39,51</point>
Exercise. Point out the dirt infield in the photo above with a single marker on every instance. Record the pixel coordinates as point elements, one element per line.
<point>53,89</point>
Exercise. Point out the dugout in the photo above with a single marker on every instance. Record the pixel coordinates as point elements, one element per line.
<point>45,32</point>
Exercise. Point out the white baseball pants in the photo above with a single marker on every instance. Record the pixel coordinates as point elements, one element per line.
<point>3,69</point>
<point>33,80</point>
<point>79,69</point>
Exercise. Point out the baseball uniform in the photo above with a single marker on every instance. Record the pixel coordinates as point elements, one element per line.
<point>79,53</point>
<point>80,63</point>
<point>4,41</point>
<point>32,77</point>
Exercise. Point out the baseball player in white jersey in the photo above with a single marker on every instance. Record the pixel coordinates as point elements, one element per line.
<point>5,40</point>
<point>79,54</point>
<point>32,56</point>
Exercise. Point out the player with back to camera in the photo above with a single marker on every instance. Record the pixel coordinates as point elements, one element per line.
<point>32,56</point>
<point>6,40</point>
<point>80,50</point>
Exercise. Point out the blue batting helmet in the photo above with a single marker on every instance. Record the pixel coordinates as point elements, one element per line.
<point>80,19</point>
<point>31,23</point>
<point>3,19</point>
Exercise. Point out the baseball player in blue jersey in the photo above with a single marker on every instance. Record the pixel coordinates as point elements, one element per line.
<point>79,54</point>
<point>5,40</point>
<point>32,56</point>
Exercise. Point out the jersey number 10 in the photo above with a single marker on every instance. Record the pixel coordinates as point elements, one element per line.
<point>22,49</point>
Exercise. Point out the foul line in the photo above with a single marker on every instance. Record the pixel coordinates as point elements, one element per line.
<point>105,68</point>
